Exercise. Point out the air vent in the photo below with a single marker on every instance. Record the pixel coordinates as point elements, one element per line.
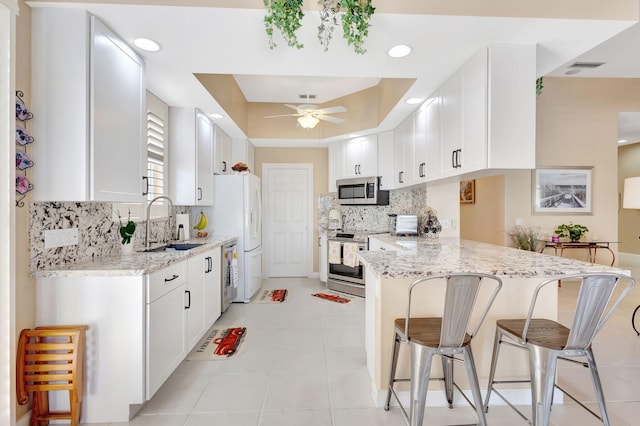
<point>586,64</point>
<point>305,97</point>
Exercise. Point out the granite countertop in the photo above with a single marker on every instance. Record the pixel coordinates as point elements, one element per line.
<point>137,263</point>
<point>417,256</point>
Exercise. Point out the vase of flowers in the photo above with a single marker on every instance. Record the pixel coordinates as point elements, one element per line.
<point>126,233</point>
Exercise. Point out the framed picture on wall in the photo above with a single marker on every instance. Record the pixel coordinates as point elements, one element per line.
<point>467,191</point>
<point>562,190</point>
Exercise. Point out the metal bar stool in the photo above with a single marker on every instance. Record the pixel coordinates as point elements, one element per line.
<point>50,359</point>
<point>446,336</point>
<point>547,341</point>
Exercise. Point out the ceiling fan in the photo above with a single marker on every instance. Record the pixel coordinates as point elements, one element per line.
<point>309,115</point>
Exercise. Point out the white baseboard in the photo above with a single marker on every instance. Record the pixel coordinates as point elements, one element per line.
<point>629,259</point>
<point>315,275</point>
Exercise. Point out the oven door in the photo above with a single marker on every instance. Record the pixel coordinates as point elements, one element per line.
<point>340,271</point>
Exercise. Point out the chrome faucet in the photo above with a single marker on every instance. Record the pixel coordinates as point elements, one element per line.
<point>171,211</point>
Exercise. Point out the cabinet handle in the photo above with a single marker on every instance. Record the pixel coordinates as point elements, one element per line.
<point>209,265</point>
<point>319,245</point>
<point>224,166</point>
<point>145,191</point>
<point>458,159</point>
<point>188,293</point>
<point>199,193</point>
<point>359,171</point>
<point>400,175</point>
<point>166,280</point>
<point>453,158</point>
<point>355,169</point>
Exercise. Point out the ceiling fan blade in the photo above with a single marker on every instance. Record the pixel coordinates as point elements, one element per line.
<point>292,107</point>
<point>329,118</point>
<point>332,110</point>
<point>282,115</point>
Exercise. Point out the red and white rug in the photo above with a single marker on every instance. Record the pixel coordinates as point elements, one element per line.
<point>336,297</point>
<point>279,295</point>
<point>219,344</point>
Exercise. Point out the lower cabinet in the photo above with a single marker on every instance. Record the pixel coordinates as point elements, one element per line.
<point>139,330</point>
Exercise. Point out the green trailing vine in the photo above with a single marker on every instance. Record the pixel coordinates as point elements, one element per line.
<point>355,22</point>
<point>286,16</point>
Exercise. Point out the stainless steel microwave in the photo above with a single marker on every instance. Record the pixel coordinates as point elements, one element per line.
<point>362,191</point>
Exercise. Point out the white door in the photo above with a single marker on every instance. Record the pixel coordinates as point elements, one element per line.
<point>288,234</point>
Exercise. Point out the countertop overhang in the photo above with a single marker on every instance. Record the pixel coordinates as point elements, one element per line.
<point>418,256</point>
<point>137,263</point>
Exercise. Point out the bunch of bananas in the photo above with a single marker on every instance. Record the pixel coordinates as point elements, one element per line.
<point>202,221</point>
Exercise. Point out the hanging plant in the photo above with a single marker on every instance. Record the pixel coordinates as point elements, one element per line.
<point>539,86</point>
<point>355,22</point>
<point>328,21</point>
<point>286,16</point>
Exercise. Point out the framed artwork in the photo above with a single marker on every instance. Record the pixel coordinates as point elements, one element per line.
<point>467,191</point>
<point>562,190</point>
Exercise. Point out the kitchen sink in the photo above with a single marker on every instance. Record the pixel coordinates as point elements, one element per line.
<point>173,248</point>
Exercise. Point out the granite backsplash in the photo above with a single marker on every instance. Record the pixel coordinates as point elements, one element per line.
<point>372,218</point>
<point>98,231</point>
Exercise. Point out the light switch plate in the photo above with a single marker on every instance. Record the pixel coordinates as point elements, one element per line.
<point>60,237</point>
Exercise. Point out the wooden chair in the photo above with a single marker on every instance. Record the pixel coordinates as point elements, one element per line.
<point>547,341</point>
<point>50,359</point>
<point>447,335</point>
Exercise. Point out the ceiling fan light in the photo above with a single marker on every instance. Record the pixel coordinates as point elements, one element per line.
<point>308,122</point>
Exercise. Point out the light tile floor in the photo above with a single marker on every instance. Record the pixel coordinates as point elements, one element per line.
<point>304,364</point>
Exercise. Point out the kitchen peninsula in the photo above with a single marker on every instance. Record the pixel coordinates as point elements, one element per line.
<point>394,262</point>
<point>145,312</point>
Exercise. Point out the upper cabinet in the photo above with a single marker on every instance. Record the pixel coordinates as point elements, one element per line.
<point>488,112</point>
<point>359,157</point>
<point>89,91</point>
<point>191,157</point>
<point>222,156</point>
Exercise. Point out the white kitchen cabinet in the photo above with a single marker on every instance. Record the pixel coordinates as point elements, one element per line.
<point>212,286</point>
<point>202,295</point>
<point>222,156</point>
<point>242,150</point>
<point>403,152</point>
<point>190,157</point>
<point>334,165</point>
<point>89,96</point>
<point>359,157</point>
<point>488,112</point>
<point>428,139</point>
<point>386,163</point>
<point>165,324</point>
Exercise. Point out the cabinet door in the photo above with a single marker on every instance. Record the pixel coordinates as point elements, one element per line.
<point>452,154</point>
<point>420,129</point>
<point>432,139</point>
<point>386,162</point>
<point>368,165</point>
<point>204,160</point>
<point>212,286</point>
<point>117,117</point>
<point>402,136</point>
<point>350,155</point>
<point>473,87</point>
<point>194,299</point>
<point>222,155</point>
<point>165,337</point>
<point>334,165</point>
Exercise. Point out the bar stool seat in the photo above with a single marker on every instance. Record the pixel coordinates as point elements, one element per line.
<point>447,336</point>
<point>548,341</point>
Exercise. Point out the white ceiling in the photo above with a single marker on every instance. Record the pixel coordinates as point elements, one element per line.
<point>233,41</point>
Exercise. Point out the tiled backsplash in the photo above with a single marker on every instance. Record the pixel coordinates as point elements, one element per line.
<point>372,218</point>
<point>98,232</point>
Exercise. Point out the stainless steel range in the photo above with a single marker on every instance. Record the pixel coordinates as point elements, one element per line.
<point>343,274</point>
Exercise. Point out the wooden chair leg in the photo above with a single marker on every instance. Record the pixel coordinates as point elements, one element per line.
<point>39,408</point>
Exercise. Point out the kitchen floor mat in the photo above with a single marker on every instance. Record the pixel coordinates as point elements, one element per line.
<point>337,297</point>
<point>219,344</point>
<point>280,295</point>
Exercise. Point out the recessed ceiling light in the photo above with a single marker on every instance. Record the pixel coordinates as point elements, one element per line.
<point>146,44</point>
<point>572,71</point>
<point>413,101</point>
<point>216,115</point>
<point>623,141</point>
<point>354,135</point>
<point>399,51</point>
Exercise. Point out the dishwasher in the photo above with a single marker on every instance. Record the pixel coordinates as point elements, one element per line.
<point>229,275</point>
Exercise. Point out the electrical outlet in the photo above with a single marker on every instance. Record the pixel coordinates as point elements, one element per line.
<point>60,237</point>
<point>446,223</point>
<point>519,222</point>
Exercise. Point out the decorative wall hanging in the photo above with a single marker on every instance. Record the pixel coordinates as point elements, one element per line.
<point>562,190</point>
<point>468,191</point>
<point>23,138</point>
<point>286,16</point>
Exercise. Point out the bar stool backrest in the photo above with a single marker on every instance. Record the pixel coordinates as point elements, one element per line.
<point>460,299</point>
<point>593,307</point>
